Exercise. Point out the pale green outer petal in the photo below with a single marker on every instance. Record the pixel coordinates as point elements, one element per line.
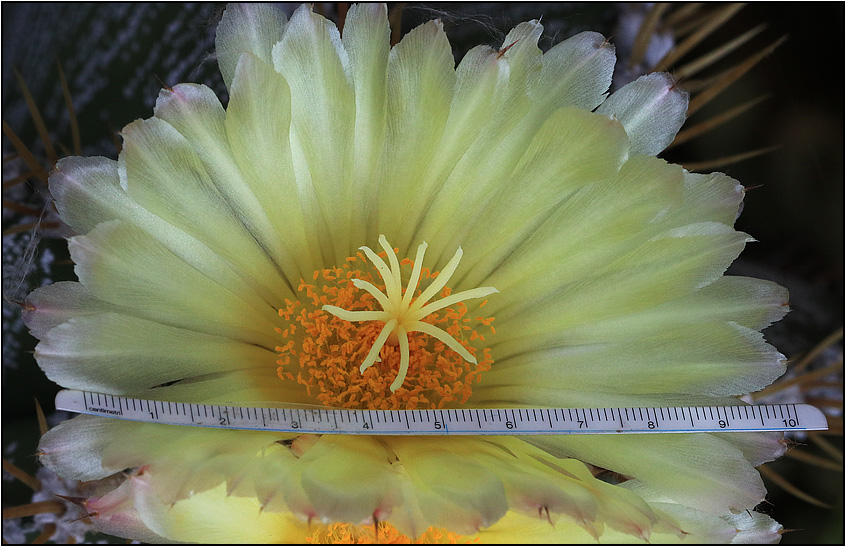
<point>651,108</point>
<point>328,478</point>
<point>488,166</point>
<point>646,275</point>
<point>485,136</point>
<point>122,265</point>
<point>759,447</point>
<point>181,460</point>
<point>161,172</point>
<point>698,470</point>
<point>517,528</point>
<point>752,303</point>
<point>478,79</point>
<point>452,491</point>
<point>249,386</point>
<point>525,64</point>
<point>712,197</point>
<point>74,448</point>
<point>745,527</point>
<point>50,306</point>
<point>537,484</point>
<point>698,528</point>
<point>511,190</point>
<point>367,42</point>
<point>707,359</point>
<point>576,72</point>
<point>88,191</point>
<point>316,66</point>
<point>542,179</point>
<point>518,66</point>
<point>187,463</point>
<point>120,354</point>
<point>346,479</point>
<point>754,528</point>
<point>474,105</point>
<point>260,145</point>
<point>460,484</point>
<point>421,80</point>
<point>247,28</point>
<point>85,347</point>
<point>196,113</point>
<point>589,228</point>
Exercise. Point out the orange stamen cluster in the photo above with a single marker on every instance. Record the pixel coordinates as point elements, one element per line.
<point>382,533</point>
<point>324,352</point>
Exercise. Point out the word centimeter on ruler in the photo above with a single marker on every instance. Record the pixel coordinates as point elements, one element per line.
<point>502,421</point>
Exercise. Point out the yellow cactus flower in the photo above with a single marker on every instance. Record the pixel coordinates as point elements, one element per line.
<point>367,226</point>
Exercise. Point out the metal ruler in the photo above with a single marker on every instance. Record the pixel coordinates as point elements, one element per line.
<point>496,421</point>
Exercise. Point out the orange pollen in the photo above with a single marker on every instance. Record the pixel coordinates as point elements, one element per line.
<point>382,533</point>
<point>345,350</point>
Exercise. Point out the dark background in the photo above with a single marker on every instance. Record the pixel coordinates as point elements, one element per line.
<point>116,57</point>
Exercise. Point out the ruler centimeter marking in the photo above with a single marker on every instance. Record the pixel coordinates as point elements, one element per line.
<point>508,421</point>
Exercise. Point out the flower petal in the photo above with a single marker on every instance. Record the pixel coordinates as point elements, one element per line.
<point>698,528</point>
<point>52,305</point>
<point>449,490</point>
<point>329,478</point>
<point>651,108</point>
<point>115,514</point>
<point>196,113</point>
<point>88,192</point>
<point>120,354</point>
<point>745,527</point>
<point>180,460</point>
<point>591,226</point>
<point>421,81</point>
<point>549,488</point>
<point>754,528</point>
<point>698,470</point>
<point>714,197</point>
<point>706,359</point>
<point>252,28</point>
<point>213,517</point>
<point>527,200</point>
<point>161,172</point>
<point>74,448</point>
<point>748,302</point>
<point>530,226</point>
<point>347,479</point>
<point>759,447</point>
<point>367,41</point>
<point>752,303</point>
<point>525,59</point>
<point>475,103</point>
<point>661,269</point>
<point>261,148</point>
<point>122,265</point>
<point>576,72</point>
<point>316,66</point>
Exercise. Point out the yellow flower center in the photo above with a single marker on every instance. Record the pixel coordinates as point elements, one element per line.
<point>345,350</point>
